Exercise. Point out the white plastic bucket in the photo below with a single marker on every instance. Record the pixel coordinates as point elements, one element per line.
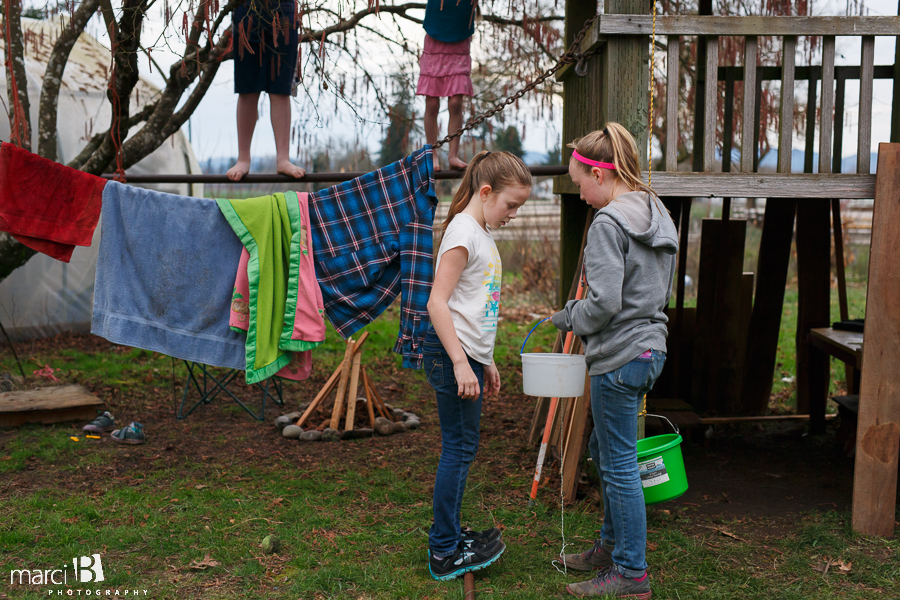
<point>553,375</point>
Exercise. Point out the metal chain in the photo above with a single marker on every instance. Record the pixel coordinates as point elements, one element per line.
<point>572,55</point>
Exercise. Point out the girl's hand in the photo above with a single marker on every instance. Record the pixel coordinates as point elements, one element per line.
<point>491,380</point>
<point>465,378</point>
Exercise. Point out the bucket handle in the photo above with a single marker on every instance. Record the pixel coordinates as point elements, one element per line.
<point>522,351</point>
<point>674,426</point>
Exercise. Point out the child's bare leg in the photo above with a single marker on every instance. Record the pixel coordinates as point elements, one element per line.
<point>432,107</point>
<point>280,105</point>
<point>246,122</point>
<point>455,108</point>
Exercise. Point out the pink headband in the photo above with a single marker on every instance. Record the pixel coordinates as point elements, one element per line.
<point>593,163</point>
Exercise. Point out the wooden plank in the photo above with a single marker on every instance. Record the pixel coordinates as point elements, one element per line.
<point>846,346</point>
<point>765,320</point>
<point>672,82</point>
<point>756,419</point>
<point>813,307</point>
<point>323,393</point>
<point>48,405</point>
<point>710,108</point>
<point>354,386</point>
<point>773,73</point>
<point>867,65</point>
<point>678,328</point>
<point>839,258</point>
<point>826,123</point>
<point>878,428</point>
<point>370,401</point>
<point>642,24</point>
<point>342,385</point>
<point>751,49</point>
<point>786,123</point>
<point>768,185</point>
<point>576,442</point>
<point>379,403</point>
<point>895,97</point>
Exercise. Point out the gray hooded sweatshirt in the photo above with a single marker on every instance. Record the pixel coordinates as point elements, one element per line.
<point>629,277</point>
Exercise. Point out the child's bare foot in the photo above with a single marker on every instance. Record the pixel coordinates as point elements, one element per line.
<point>237,172</point>
<point>457,163</point>
<point>437,162</point>
<point>288,168</point>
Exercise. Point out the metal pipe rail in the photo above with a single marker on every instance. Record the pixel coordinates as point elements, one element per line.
<point>325,177</point>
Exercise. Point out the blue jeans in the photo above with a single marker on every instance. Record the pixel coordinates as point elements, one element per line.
<point>460,422</point>
<point>616,399</point>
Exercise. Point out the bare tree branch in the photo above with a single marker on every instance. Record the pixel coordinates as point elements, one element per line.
<point>19,120</point>
<point>56,64</point>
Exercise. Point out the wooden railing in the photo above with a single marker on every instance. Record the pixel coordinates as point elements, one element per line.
<point>783,184</point>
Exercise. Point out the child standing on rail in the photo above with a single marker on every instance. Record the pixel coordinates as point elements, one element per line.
<point>629,265</point>
<point>445,68</point>
<point>459,348</point>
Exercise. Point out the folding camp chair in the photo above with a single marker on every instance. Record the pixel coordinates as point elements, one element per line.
<point>213,385</point>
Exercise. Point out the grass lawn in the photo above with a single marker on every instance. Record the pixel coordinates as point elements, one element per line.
<point>182,516</point>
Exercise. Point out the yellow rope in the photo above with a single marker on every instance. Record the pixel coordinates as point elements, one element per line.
<point>650,132</point>
<point>643,412</point>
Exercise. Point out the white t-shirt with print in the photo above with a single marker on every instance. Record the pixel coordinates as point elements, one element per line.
<point>475,303</point>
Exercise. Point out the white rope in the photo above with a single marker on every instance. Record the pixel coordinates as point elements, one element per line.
<point>562,500</point>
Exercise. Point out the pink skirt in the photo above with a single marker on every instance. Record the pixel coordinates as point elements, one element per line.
<point>445,69</point>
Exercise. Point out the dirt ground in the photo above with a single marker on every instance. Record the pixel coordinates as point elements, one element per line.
<point>762,475</point>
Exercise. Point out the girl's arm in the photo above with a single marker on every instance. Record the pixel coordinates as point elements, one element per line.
<point>453,262</point>
<point>604,265</point>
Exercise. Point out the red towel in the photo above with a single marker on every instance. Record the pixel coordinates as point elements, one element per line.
<point>45,205</point>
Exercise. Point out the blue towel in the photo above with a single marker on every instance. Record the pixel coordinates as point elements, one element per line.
<point>165,275</point>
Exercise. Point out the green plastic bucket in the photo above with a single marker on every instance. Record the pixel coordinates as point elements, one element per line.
<point>661,467</point>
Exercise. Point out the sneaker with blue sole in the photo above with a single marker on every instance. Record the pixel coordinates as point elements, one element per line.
<point>470,536</point>
<point>466,558</point>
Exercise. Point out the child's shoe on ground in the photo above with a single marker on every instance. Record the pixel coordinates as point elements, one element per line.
<point>104,422</point>
<point>470,536</point>
<point>609,583</point>
<point>133,434</point>
<point>467,557</point>
<point>595,558</point>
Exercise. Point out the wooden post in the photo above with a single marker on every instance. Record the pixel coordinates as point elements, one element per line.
<point>878,429</point>
<point>765,321</point>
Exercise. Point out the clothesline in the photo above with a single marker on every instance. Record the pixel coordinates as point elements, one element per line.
<point>326,177</point>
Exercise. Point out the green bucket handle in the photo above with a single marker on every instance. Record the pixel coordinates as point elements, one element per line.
<point>522,351</point>
<point>674,426</point>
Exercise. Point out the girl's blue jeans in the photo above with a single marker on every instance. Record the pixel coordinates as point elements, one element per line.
<point>616,400</point>
<point>460,422</point>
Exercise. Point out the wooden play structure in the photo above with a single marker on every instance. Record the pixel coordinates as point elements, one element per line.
<point>722,353</point>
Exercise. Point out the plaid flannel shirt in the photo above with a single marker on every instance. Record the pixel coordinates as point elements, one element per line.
<point>373,240</point>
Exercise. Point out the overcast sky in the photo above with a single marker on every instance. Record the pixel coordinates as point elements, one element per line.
<point>213,134</point>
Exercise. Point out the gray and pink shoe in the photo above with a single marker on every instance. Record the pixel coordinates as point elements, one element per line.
<point>609,583</point>
<point>104,422</point>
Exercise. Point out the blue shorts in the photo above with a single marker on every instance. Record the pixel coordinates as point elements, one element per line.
<point>268,64</point>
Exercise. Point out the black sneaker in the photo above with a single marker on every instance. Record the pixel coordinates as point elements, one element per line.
<point>466,558</point>
<point>470,536</point>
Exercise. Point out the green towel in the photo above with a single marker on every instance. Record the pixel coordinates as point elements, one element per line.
<point>267,227</point>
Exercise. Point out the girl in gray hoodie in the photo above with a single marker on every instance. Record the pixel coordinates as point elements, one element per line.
<point>629,267</point>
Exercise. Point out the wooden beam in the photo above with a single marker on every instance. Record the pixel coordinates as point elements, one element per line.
<point>878,428</point>
<point>764,185</point>
<point>786,122</point>
<point>814,305</point>
<point>765,320</point>
<point>826,116</point>
<point>642,24</point>
<point>48,405</point>
<point>710,104</point>
<point>672,82</point>
<point>751,49</point>
<point>864,146</point>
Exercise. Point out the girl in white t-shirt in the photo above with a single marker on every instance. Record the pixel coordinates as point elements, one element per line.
<point>459,347</point>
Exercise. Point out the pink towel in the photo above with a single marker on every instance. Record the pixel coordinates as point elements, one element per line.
<point>306,308</point>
